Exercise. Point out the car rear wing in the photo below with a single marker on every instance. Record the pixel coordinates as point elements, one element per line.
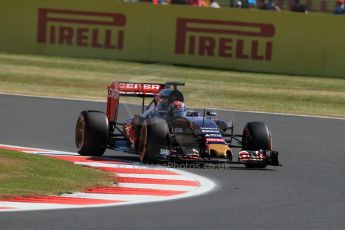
<point>129,89</point>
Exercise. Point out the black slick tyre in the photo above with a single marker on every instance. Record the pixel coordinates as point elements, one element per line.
<point>92,133</point>
<point>153,137</point>
<point>256,136</point>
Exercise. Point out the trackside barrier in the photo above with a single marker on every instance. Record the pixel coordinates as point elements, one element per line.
<point>250,40</point>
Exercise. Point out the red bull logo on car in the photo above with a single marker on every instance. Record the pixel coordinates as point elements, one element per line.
<point>228,39</point>
<point>81,28</point>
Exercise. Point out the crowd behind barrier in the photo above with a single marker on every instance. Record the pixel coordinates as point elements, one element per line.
<point>336,7</point>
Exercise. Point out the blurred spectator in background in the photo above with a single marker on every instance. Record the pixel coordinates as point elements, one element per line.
<point>193,2</point>
<point>268,5</point>
<point>214,4</point>
<point>180,2</point>
<point>340,8</point>
<point>297,6</point>
<point>238,4</point>
<point>251,4</point>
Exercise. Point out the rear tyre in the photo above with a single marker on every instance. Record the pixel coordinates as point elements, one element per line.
<point>92,133</point>
<point>256,136</point>
<point>153,138</point>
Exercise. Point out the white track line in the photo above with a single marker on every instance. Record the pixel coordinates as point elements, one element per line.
<point>152,176</point>
<point>159,186</point>
<point>23,206</point>
<point>117,165</point>
<point>124,198</point>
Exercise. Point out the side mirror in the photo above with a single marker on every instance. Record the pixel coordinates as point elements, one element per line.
<point>211,113</point>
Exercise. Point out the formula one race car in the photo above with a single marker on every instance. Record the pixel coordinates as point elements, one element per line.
<point>167,131</point>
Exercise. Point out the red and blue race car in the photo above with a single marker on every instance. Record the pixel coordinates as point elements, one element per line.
<point>167,131</point>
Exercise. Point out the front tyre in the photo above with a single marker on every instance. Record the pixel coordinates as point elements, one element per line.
<point>256,136</point>
<point>153,138</point>
<point>92,133</point>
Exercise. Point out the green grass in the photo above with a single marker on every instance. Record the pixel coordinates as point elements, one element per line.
<point>88,78</point>
<point>23,174</point>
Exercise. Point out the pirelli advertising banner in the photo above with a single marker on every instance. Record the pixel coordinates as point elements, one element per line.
<point>82,28</point>
<point>250,40</point>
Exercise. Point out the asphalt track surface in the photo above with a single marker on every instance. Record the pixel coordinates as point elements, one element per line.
<point>306,193</point>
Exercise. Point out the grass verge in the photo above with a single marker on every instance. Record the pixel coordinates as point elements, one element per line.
<point>88,78</point>
<point>23,174</point>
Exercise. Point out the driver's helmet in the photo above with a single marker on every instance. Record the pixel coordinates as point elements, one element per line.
<point>169,94</point>
<point>163,104</point>
<point>163,95</point>
<point>177,106</point>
